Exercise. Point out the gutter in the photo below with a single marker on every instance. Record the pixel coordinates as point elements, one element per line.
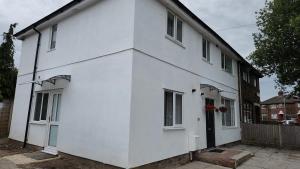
<point>32,85</point>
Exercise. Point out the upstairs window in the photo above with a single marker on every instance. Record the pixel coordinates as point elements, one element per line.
<point>173,109</point>
<point>206,50</point>
<point>53,37</point>
<point>246,77</point>
<point>41,106</point>
<point>174,27</point>
<point>254,82</point>
<point>226,63</point>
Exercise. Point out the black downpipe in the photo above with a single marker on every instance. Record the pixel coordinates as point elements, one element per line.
<point>32,85</point>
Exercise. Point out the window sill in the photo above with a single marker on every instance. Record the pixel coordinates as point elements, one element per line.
<point>208,62</point>
<point>175,41</point>
<point>38,122</point>
<point>229,127</point>
<point>51,50</point>
<point>231,74</point>
<point>166,128</point>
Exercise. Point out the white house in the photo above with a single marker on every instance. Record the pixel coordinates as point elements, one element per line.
<point>125,83</point>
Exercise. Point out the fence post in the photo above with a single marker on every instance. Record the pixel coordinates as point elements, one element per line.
<point>280,136</point>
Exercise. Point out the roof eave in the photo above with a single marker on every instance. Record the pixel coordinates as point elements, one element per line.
<point>48,17</point>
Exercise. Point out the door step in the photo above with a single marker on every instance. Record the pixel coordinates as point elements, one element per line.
<point>224,157</point>
<point>50,150</point>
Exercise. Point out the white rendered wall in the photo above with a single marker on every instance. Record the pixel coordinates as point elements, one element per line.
<point>95,47</point>
<point>159,64</point>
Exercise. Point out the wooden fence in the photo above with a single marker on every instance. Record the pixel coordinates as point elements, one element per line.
<point>271,135</point>
<point>5,116</point>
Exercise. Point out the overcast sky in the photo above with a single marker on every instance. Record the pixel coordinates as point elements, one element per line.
<point>234,20</point>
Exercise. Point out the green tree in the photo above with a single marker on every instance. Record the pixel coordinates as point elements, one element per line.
<point>8,72</point>
<point>278,42</point>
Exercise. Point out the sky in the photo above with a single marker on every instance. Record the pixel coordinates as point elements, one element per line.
<point>233,20</point>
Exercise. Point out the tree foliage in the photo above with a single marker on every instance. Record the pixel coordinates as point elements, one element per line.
<point>278,42</point>
<point>8,72</point>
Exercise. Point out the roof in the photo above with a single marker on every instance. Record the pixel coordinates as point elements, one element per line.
<point>176,2</point>
<point>280,100</point>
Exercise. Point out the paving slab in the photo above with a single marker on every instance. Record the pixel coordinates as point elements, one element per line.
<point>201,165</point>
<point>7,164</point>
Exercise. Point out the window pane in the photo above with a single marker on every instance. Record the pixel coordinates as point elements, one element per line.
<point>223,61</point>
<point>53,36</point>
<point>53,135</point>
<point>178,116</point>
<point>45,106</point>
<point>228,66</point>
<point>228,113</point>
<point>204,48</point>
<point>58,107</point>
<point>54,108</point>
<point>179,30</point>
<point>228,118</point>
<point>168,108</point>
<point>38,105</point>
<point>208,51</point>
<point>232,113</point>
<point>170,27</point>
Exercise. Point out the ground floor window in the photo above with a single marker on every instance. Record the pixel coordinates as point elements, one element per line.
<point>228,117</point>
<point>274,116</point>
<point>248,112</point>
<point>41,106</point>
<point>173,108</point>
<point>264,117</point>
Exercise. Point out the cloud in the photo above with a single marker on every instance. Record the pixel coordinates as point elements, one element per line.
<point>25,13</point>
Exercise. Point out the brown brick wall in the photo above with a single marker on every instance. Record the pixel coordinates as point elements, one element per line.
<point>291,109</point>
<point>4,118</point>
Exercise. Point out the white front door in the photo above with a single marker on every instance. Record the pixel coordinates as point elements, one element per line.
<point>53,123</point>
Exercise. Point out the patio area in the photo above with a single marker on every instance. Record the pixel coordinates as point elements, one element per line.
<point>264,158</point>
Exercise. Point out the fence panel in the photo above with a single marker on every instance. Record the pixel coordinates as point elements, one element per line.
<point>271,135</point>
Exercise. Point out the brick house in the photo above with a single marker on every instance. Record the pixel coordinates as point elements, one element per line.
<point>280,104</point>
<point>250,93</point>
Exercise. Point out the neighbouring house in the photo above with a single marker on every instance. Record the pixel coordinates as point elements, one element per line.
<point>126,83</point>
<point>250,93</point>
<point>285,105</point>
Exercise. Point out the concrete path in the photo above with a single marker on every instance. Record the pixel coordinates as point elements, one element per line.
<point>7,164</point>
<point>201,165</point>
<point>264,158</point>
<point>270,158</point>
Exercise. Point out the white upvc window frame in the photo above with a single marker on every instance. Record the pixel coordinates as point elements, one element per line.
<point>207,50</point>
<point>174,37</point>
<point>53,39</point>
<point>174,125</point>
<point>41,107</point>
<point>233,112</point>
<point>223,60</point>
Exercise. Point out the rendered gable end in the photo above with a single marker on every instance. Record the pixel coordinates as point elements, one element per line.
<point>94,46</point>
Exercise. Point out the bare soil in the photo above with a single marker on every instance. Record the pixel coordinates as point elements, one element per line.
<point>11,147</point>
